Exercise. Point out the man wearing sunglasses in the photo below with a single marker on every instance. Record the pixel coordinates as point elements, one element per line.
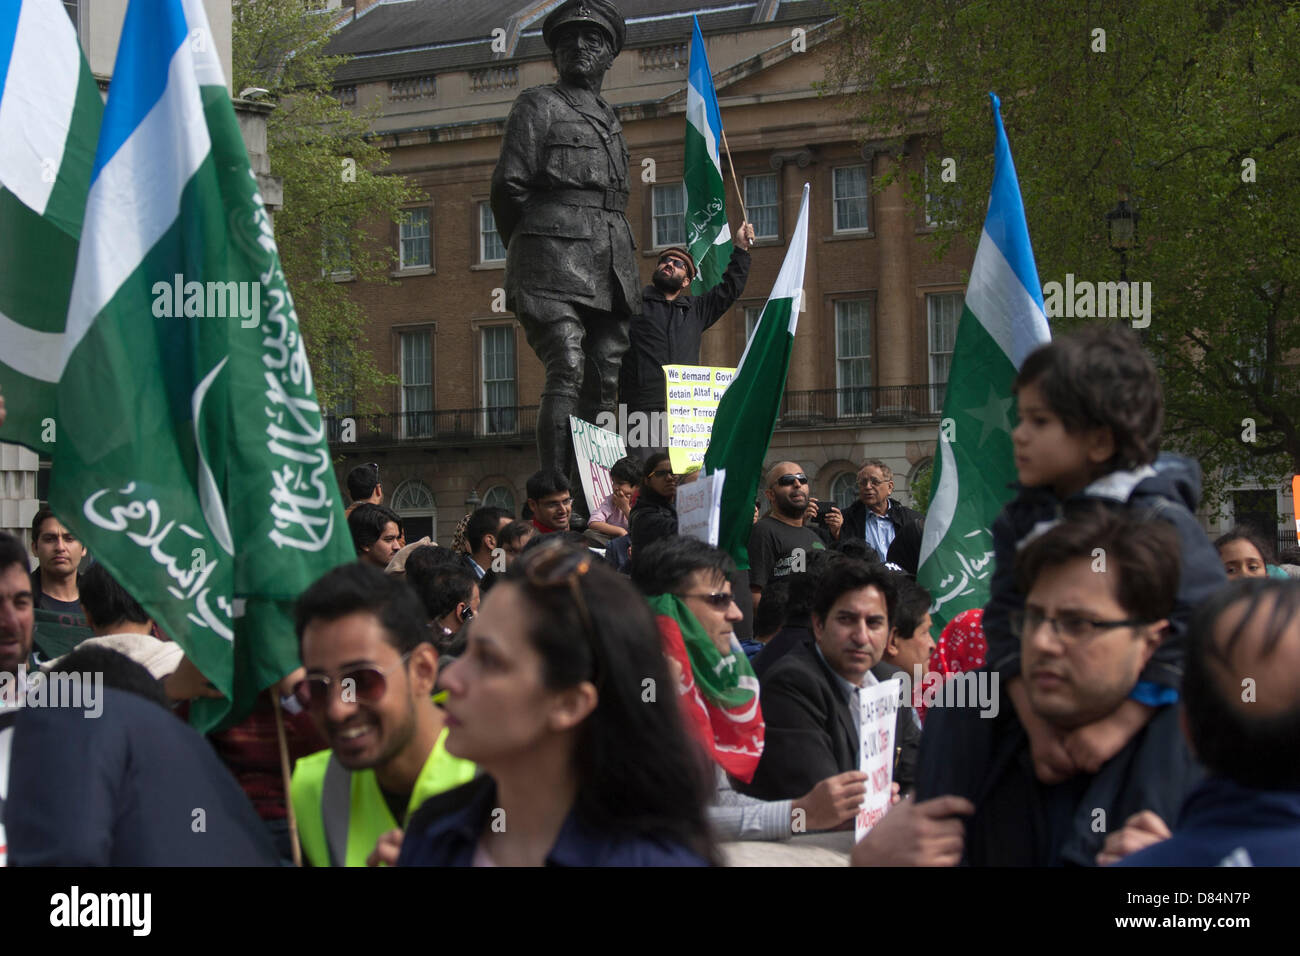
<point>780,540</point>
<point>672,322</point>
<point>370,673</point>
<point>1099,589</point>
<point>688,584</point>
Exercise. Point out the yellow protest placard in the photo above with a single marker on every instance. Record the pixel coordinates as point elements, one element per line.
<point>693,395</point>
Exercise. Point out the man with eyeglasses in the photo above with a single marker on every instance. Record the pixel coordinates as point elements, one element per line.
<point>780,541</point>
<point>370,674</point>
<point>550,500</point>
<point>672,322</point>
<point>893,530</point>
<point>1100,588</point>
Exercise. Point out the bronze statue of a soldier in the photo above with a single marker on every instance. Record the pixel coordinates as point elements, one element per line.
<point>559,195</point>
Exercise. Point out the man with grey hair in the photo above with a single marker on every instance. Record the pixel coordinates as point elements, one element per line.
<point>894,531</point>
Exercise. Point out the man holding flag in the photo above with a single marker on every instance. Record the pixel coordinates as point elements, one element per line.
<point>673,320</point>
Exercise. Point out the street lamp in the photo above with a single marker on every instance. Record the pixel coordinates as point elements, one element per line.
<point>472,500</point>
<point>1121,225</point>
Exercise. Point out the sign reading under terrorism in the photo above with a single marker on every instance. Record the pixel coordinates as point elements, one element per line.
<point>595,450</point>
<point>877,709</point>
<point>694,392</point>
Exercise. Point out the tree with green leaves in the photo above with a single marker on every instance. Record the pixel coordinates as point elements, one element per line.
<point>1189,111</point>
<point>334,190</point>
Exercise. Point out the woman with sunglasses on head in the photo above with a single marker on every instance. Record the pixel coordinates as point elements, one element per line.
<point>654,515</point>
<point>563,698</point>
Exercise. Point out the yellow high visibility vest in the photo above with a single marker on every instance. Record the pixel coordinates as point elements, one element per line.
<point>342,813</point>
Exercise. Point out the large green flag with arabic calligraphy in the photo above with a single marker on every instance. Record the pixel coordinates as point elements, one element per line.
<point>191,456</point>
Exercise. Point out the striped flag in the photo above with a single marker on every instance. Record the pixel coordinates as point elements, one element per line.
<point>747,414</point>
<point>191,456</point>
<point>1002,321</point>
<point>50,110</point>
<point>708,237</point>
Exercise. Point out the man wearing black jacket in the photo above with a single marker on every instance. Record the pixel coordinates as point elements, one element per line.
<point>891,529</point>
<point>810,696</point>
<point>672,322</point>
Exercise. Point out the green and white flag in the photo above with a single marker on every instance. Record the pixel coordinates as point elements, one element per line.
<point>1002,321</point>
<point>708,237</point>
<point>50,110</point>
<point>191,457</point>
<point>749,409</point>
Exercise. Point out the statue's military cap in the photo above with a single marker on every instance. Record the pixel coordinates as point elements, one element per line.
<point>600,13</point>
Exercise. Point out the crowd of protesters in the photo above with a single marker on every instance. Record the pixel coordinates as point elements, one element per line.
<point>538,694</point>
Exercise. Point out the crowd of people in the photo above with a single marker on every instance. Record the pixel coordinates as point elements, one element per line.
<point>623,695</point>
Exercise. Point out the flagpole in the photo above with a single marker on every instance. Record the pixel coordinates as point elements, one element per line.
<point>744,216</point>
<point>284,774</point>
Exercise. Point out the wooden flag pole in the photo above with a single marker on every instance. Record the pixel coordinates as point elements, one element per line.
<point>744,216</point>
<point>284,773</point>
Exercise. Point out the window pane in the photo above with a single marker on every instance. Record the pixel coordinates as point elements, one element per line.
<point>499,496</point>
<point>669,214</point>
<point>491,248</point>
<point>760,201</point>
<point>415,239</point>
<point>417,384</point>
<point>499,394</point>
<point>752,313</point>
<point>844,490</point>
<point>850,198</point>
<point>853,356</point>
<point>944,312</point>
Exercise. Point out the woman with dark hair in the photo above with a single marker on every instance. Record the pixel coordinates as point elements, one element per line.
<point>654,516</point>
<point>1245,554</point>
<point>584,765</point>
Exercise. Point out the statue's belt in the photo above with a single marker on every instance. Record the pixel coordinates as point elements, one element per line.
<point>613,200</point>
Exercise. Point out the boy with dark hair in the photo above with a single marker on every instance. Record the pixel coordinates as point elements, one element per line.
<point>376,533</point>
<point>612,516</point>
<point>910,644</point>
<point>550,500</point>
<point>364,486</point>
<point>482,537</point>
<point>1090,411</point>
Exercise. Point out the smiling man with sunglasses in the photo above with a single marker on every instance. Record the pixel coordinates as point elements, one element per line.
<point>364,639</point>
<point>780,540</point>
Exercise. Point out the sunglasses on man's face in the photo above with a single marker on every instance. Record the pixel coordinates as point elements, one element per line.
<point>663,473</point>
<point>785,481</point>
<point>721,600</point>
<point>365,683</point>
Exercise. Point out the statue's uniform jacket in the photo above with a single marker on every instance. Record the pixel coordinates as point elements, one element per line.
<point>559,193</point>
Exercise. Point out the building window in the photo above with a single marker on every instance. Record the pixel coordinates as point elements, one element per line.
<point>670,56</point>
<point>851,199</point>
<point>844,490</point>
<point>490,246</point>
<point>944,312</point>
<point>669,203</point>
<point>853,356</point>
<point>752,315</point>
<point>74,14</point>
<point>1257,510</point>
<point>940,204</point>
<point>500,400</point>
<point>499,496</point>
<point>414,251</point>
<point>346,95</point>
<point>417,384</point>
<point>760,200</point>
<point>336,253</point>
<point>415,505</point>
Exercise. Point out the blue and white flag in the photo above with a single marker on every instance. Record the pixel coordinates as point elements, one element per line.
<point>708,236</point>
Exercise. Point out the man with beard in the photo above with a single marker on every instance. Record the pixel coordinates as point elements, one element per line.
<point>370,674</point>
<point>671,323</point>
<point>780,541</point>
<point>559,196</point>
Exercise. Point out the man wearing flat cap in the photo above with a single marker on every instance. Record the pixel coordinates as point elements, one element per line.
<point>671,324</point>
<point>559,195</point>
